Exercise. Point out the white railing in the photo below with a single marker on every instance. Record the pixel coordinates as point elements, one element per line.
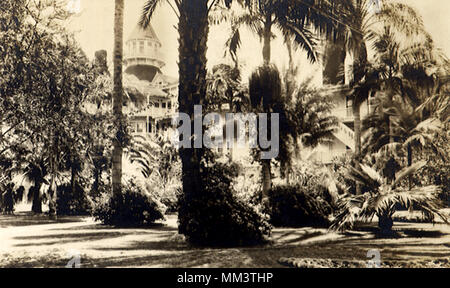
<point>345,134</point>
<point>343,113</point>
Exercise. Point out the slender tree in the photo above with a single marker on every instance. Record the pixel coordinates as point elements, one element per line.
<point>265,97</point>
<point>117,97</point>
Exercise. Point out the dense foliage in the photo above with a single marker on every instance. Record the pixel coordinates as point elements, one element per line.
<point>295,206</point>
<point>384,198</point>
<point>73,201</point>
<point>135,206</point>
<point>217,217</point>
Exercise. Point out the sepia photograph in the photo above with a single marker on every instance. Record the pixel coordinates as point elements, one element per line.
<point>231,134</point>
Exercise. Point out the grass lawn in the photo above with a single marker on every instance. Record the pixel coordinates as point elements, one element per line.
<point>35,241</point>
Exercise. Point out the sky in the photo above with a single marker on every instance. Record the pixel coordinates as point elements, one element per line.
<point>94,26</point>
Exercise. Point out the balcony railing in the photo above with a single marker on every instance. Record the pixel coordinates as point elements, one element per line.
<point>346,135</point>
<point>343,113</point>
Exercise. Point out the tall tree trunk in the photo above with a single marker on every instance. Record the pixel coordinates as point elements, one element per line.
<point>117,97</point>
<point>359,65</point>
<point>36,206</point>
<point>267,177</point>
<point>410,160</point>
<point>357,137</point>
<point>52,198</point>
<point>266,38</point>
<point>266,169</point>
<point>52,189</point>
<point>73,177</point>
<point>193,35</point>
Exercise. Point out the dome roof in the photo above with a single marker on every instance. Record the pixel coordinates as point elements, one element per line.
<point>139,33</point>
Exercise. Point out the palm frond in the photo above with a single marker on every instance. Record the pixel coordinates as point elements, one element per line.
<point>405,172</point>
<point>149,9</point>
<point>303,38</point>
<point>362,177</point>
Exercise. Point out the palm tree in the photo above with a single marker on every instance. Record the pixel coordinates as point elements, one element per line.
<point>382,199</point>
<point>361,20</point>
<point>146,152</point>
<point>407,129</point>
<point>117,96</point>
<point>297,20</point>
<point>193,32</point>
<point>158,163</point>
<point>35,170</point>
<point>265,97</point>
<point>309,122</point>
<point>411,108</point>
<point>224,87</point>
<point>313,118</point>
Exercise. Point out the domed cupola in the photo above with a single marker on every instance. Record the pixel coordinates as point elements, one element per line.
<point>142,56</point>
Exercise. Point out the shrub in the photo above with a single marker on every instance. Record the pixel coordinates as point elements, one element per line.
<point>135,206</point>
<point>72,202</point>
<point>383,199</point>
<point>215,216</point>
<point>293,206</point>
<point>168,187</point>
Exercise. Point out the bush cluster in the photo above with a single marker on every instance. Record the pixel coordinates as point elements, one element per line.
<point>215,216</point>
<point>135,206</point>
<point>75,202</point>
<point>293,206</point>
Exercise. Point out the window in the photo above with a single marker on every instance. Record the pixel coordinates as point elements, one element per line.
<point>134,48</point>
<point>169,105</point>
<point>164,105</point>
<point>349,108</point>
<point>141,47</point>
<point>140,127</point>
<point>156,104</point>
<point>149,44</point>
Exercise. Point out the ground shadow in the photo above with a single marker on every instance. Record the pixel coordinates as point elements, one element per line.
<point>29,219</point>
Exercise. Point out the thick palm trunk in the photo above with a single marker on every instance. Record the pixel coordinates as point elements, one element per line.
<point>117,97</point>
<point>36,206</point>
<point>357,137</point>
<point>267,178</point>
<point>359,65</point>
<point>267,37</point>
<point>385,224</point>
<point>410,160</point>
<point>266,170</point>
<point>193,35</point>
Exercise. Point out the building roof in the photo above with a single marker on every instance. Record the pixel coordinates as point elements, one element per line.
<point>133,84</point>
<point>139,33</point>
<point>168,80</point>
<point>156,92</point>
